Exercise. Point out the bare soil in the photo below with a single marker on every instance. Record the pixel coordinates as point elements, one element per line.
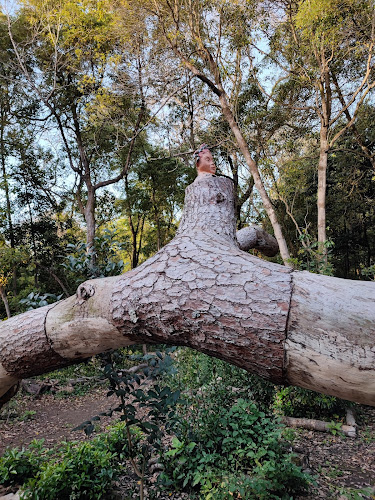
<point>339,464</point>
<point>54,420</point>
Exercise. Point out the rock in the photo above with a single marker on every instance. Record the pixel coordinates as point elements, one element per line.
<point>10,496</point>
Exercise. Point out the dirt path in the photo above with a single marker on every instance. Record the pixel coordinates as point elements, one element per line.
<point>54,418</point>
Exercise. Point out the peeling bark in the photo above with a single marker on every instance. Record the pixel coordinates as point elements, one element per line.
<point>202,291</point>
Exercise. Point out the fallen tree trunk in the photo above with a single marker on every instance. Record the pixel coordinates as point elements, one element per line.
<point>202,291</point>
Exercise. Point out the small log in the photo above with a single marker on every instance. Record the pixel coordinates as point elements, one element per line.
<point>135,369</point>
<point>35,388</point>
<point>317,425</point>
<point>9,394</point>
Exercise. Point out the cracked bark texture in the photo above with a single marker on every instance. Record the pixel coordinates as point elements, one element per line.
<point>202,291</point>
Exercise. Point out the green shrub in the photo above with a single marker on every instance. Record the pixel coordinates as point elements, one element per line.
<point>241,439</point>
<point>115,440</point>
<point>17,465</point>
<point>70,470</point>
<point>85,471</point>
<point>298,402</point>
<point>195,370</point>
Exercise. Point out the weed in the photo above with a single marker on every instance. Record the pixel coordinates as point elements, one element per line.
<point>335,428</point>
<point>27,415</point>
<point>239,438</point>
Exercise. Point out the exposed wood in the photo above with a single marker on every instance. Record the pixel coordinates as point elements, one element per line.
<point>317,425</point>
<point>202,291</point>
<point>331,330</point>
<point>350,418</point>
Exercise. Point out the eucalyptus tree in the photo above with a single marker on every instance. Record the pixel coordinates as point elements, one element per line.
<point>5,123</point>
<point>16,138</point>
<point>72,60</point>
<point>210,39</point>
<point>324,53</point>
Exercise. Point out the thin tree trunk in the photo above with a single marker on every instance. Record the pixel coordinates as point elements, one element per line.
<point>89,213</point>
<point>7,198</point>
<point>321,195</point>
<point>157,217</point>
<point>218,89</point>
<point>324,87</point>
<point>227,112</point>
<point>32,238</point>
<point>190,106</point>
<point>367,153</point>
<point>4,298</point>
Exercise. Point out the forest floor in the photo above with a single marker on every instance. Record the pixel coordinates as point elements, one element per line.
<point>339,464</point>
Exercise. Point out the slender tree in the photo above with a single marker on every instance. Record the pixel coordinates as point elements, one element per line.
<point>325,52</point>
<point>73,50</point>
<point>203,39</point>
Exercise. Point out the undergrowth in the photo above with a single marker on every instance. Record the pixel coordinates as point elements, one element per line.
<point>211,425</point>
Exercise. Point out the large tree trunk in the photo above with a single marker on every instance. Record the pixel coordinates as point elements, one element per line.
<point>202,291</point>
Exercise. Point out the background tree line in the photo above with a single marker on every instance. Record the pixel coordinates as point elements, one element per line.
<point>103,102</point>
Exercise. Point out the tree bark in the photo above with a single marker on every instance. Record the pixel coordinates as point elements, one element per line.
<point>4,298</point>
<point>202,291</point>
<point>89,214</point>
<point>317,425</point>
<point>256,237</point>
<point>322,191</point>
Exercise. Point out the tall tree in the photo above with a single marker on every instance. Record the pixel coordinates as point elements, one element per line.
<point>209,40</point>
<point>67,58</point>
<point>325,52</point>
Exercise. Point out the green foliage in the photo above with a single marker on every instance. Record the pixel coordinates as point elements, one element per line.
<point>196,370</point>
<point>86,471</point>
<point>355,493</point>
<point>17,465</point>
<point>89,368</point>
<point>70,470</point>
<point>298,402</point>
<point>133,390</point>
<point>310,256</point>
<point>368,272</point>
<point>78,263</point>
<point>224,444</point>
<point>335,428</point>
<point>27,415</point>
<point>37,299</point>
<point>328,20</point>
<point>239,438</point>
